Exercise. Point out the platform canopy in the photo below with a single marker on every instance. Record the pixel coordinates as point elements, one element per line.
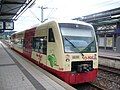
<point>11,10</point>
<point>104,17</point>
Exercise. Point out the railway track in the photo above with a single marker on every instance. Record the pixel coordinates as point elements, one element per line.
<point>97,87</point>
<point>112,72</point>
<point>108,79</point>
<point>109,69</point>
<point>88,86</point>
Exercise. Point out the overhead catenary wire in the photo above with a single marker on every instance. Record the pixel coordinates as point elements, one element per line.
<point>102,6</point>
<point>51,12</point>
<point>34,15</point>
<point>107,3</point>
<point>42,13</point>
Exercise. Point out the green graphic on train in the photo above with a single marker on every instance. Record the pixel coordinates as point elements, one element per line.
<point>52,59</point>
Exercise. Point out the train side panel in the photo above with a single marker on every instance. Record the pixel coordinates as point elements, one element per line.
<point>17,41</point>
<point>55,49</point>
<point>39,50</point>
<point>27,48</point>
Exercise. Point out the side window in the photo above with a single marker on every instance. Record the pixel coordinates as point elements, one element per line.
<point>51,35</point>
<point>39,44</point>
<point>45,45</point>
<point>19,42</point>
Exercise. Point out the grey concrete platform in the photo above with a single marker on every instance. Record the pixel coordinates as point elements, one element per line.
<point>17,73</point>
<point>109,58</point>
<point>109,54</point>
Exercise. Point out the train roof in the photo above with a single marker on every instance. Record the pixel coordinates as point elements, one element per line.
<point>58,21</point>
<point>68,21</point>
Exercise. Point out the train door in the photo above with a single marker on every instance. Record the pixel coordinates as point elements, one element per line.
<point>27,50</point>
<point>51,49</point>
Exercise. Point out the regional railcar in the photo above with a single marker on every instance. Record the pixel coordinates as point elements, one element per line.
<point>68,49</point>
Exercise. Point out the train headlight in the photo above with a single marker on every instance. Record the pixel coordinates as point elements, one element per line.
<point>67,60</point>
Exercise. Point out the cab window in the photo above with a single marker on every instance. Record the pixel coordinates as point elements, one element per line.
<point>51,35</point>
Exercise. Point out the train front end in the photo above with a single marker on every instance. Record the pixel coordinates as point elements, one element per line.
<point>80,52</point>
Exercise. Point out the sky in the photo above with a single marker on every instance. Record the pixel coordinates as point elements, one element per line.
<point>67,9</point>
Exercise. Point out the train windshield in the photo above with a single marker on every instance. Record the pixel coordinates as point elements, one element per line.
<point>78,38</point>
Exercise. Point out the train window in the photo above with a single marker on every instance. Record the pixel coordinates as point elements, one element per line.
<point>18,42</point>
<point>51,35</point>
<point>40,44</point>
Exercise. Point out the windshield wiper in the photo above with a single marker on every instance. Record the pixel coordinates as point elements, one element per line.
<point>74,46</point>
<point>88,45</point>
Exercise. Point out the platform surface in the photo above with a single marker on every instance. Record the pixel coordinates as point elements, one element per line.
<point>109,54</point>
<point>16,73</point>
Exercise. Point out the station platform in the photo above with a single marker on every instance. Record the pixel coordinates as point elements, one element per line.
<point>110,54</point>
<point>109,58</point>
<point>17,73</point>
